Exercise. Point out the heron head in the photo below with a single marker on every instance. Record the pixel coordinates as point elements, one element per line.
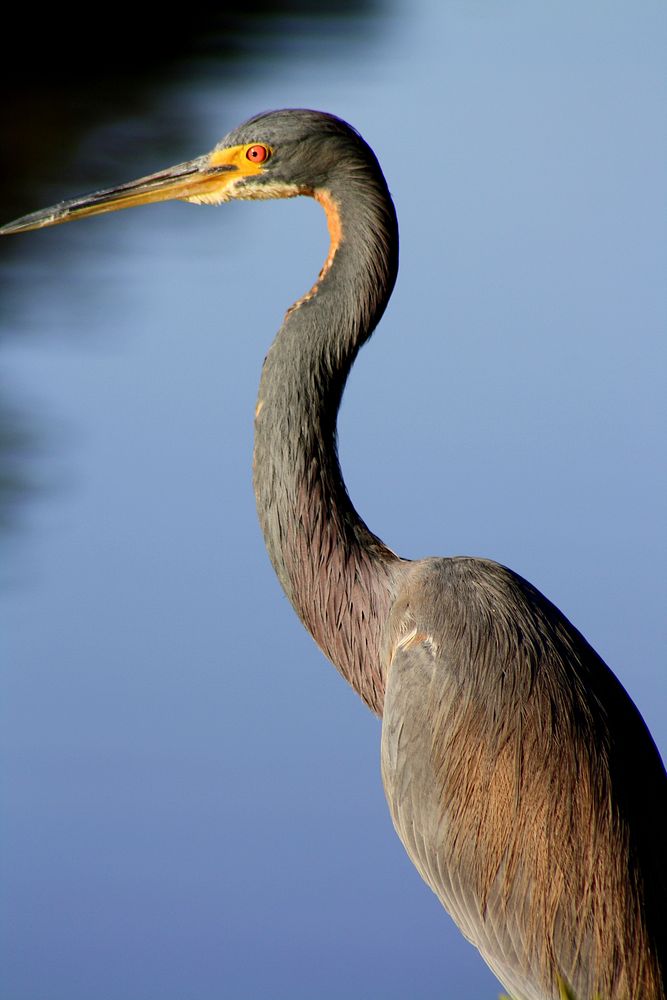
<point>278,154</point>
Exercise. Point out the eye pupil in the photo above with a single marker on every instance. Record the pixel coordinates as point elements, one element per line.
<point>258,154</point>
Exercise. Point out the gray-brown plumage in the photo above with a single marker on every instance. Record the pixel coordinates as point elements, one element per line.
<point>524,784</point>
<point>520,776</point>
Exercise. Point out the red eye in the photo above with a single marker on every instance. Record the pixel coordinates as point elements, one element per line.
<point>258,154</point>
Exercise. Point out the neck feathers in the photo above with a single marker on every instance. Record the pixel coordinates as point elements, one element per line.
<point>337,574</point>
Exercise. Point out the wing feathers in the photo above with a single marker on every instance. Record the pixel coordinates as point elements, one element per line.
<point>508,786</point>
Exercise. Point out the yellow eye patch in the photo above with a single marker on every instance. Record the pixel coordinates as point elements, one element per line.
<point>242,158</point>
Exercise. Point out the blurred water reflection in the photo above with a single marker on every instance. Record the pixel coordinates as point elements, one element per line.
<point>73,78</point>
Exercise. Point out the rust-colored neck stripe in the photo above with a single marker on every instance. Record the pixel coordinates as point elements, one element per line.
<point>335,226</point>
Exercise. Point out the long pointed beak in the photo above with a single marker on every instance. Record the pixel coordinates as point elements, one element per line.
<point>202,179</point>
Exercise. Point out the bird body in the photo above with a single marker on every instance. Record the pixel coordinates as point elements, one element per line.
<point>520,777</point>
<point>519,774</point>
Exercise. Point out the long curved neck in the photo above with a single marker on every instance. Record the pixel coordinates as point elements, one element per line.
<point>337,574</point>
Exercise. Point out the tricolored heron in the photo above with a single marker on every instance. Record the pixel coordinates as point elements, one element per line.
<point>520,777</point>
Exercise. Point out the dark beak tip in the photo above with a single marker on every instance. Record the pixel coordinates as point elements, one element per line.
<point>37,220</point>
